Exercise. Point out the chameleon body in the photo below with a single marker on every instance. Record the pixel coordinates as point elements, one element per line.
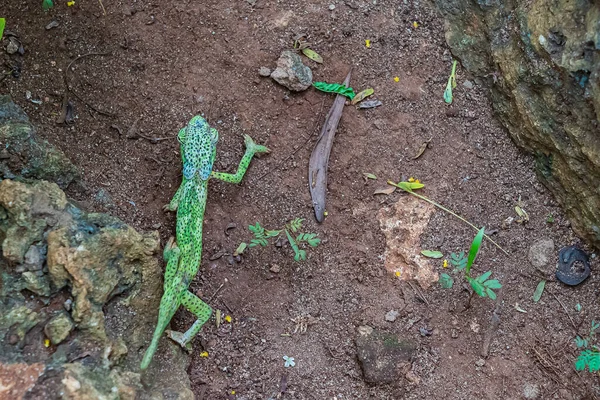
<point>198,150</point>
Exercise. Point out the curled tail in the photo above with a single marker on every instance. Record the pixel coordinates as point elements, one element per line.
<point>168,305</point>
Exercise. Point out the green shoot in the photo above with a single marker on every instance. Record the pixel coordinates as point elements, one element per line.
<point>589,356</point>
<point>409,187</point>
<point>262,236</point>
<point>47,4</point>
<point>2,25</point>
<point>451,84</point>
<point>481,285</point>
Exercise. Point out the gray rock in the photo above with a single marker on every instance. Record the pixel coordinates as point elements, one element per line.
<point>33,259</point>
<point>541,254</point>
<point>382,354</point>
<point>13,45</point>
<point>37,284</point>
<point>468,84</point>
<point>391,315</point>
<point>59,328</point>
<point>291,72</point>
<point>264,71</point>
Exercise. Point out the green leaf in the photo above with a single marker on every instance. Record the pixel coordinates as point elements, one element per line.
<point>537,295</point>
<point>581,361</point>
<point>47,4</point>
<point>432,253</point>
<point>477,287</point>
<point>474,249</point>
<point>296,224</point>
<point>448,92</point>
<point>255,228</point>
<point>492,284</point>
<point>313,55</point>
<point>2,25</point>
<point>270,234</point>
<point>314,242</point>
<point>335,88</point>
<point>579,342</point>
<point>240,249</point>
<point>490,293</point>
<point>446,281</point>
<point>458,260</point>
<point>407,186</point>
<point>484,277</point>
<point>594,361</point>
<point>362,95</point>
<point>368,175</point>
<point>258,242</point>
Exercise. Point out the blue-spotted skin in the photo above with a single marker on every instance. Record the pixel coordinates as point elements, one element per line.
<point>198,149</point>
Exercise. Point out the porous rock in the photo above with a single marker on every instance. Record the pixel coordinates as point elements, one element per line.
<point>291,72</point>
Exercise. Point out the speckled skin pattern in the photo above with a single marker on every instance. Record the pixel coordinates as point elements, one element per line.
<point>198,149</point>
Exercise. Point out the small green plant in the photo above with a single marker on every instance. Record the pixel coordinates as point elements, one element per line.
<point>589,356</point>
<point>2,25</point>
<point>482,285</point>
<point>47,4</point>
<point>550,218</point>
<point>262,236</point>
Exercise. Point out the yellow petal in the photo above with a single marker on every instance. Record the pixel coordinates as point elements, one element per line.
<point>416,24</point>
<point>47,342</point>
<point>398,274</point>
<point>204,354</point>
<point>411,179</point>
<point>70,3</point>
<point>368,43</point>
<point>396,79</point>
<point>417,181</point>
<point>233,392</point>
<point>445,263</point>
<point>228,318</point>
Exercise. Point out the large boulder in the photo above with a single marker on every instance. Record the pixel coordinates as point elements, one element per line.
<point>542,59</point>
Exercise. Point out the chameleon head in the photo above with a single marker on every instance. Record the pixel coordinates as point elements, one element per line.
<point>199,148</point>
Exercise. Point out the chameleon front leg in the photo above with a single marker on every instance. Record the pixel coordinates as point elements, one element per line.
<point>201,310</point>
<point>172,206</point>
<point>251,149</point>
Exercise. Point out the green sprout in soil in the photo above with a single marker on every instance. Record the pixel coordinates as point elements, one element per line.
<point>47,4</point>
<point>589,356</point>
<point>291,229</point>
<point>482,285</point>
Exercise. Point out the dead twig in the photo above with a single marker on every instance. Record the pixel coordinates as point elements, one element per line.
<point>564,308</point>
<point>418,293</point>
<point>102,6</point>
<point>219,289</point>
<point>319,158</point>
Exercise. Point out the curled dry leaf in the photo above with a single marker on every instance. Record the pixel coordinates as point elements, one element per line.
<point>362,95</point>
<point>519,309</point>
<point>422,149</point>
<point>313,55</point>
<point>385,190</point>
<point>368,175</point>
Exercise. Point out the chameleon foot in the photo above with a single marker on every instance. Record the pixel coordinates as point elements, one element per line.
<point>179,338</point>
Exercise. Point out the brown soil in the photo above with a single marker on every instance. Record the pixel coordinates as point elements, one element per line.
<point>166,61</point>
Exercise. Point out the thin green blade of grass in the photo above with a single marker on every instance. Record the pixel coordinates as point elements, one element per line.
<point>475,249</point>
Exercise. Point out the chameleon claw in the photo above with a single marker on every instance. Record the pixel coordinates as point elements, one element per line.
<point>179,338</point>
<point>256,148</point>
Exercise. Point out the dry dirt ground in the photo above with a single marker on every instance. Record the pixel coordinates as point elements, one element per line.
<point>149,66</point>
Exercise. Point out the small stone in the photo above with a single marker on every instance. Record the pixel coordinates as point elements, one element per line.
<point>531,391</point>
<point>331,7</point>
<point>391,316</point>
<point>58,328</point>
<point>275,269</point>
<point>468,84</point>
<point>291,72</point>
<point>480,363</point>
<point>13,45</point>
<point>454,334</point>
<point>33,259</point>
<point>53,24</point>
<point>540,255</point>
<point>264,71</point>
<point>36,284</point>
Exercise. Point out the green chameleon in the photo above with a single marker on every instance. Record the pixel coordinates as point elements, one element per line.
<point>198,149</point>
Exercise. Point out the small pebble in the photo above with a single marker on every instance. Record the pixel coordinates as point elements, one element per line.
<point>468,84</point>
<point>53,24</point>
<point>331,7</point>
<point>275,269</point>
<point>480,362</point>
<point>264,71</point>
<point>391,315</point>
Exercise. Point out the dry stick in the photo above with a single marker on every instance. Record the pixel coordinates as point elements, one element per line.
<point>449,212</point>
<point>300,148</point>
<point>106,113</point>
<point>102,5</point>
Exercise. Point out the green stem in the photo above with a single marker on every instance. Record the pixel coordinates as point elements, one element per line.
<point>448,211</point>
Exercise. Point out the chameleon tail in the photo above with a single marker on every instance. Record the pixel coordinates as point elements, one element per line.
<point>168,305</point>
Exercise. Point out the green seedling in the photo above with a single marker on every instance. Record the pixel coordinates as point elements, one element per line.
<point>550,218</point>
<point>481,285</point>
<point>410,187</point>
<point>589,356</point>
<point>291,229</point>
<point>47,4</point>
<point>2,25</point>
<point>451,84</point>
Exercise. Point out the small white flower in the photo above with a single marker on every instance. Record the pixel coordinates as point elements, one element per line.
<point>289,361</point>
